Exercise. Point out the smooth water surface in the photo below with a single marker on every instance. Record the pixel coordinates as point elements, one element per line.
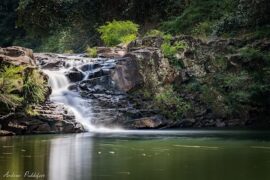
<point>135,155</point>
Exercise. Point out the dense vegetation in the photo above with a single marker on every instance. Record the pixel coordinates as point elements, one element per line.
<point>67,25</point>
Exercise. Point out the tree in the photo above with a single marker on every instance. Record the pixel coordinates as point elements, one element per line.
<point>8,16</point>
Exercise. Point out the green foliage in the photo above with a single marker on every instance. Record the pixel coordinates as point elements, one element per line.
<point>20,88</point>
<point>155,33</point>
<point>59,42</point>
<point>220,63</point>
<point>251,54</point>
<point>43,18</point>
<point>35,23</point>
<point>211,96</point>
<point>199,17</point>
<point>171,104</point>
<point>11,87</point>
<point>170,50</point>
<point>31,111</point>
<point>261,32</point>
<point>116,32</point>
<point>91,52</point>
<point>8,30</point>
<point>34,89</point>
<point>235,91</point>
<point>203,29</point>
<point>234,80</point>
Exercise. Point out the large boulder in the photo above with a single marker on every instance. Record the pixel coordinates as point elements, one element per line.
<point>17,56</point>
<point>126,75</point>
<point>74,75</point>
<point>149,68</point>
<point>49,61</point>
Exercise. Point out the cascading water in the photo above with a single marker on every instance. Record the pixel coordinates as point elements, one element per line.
<point>72,100</point>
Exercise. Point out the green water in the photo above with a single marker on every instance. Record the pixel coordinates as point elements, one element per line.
<point>138,155</point>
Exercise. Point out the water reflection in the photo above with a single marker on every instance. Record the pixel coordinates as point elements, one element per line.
<point>139,155</point>
<point>70,157</point>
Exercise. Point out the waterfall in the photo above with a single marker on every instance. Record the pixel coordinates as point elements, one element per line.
<point>72,100</point>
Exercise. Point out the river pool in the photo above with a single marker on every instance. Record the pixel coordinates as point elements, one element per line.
<point>138,155</point>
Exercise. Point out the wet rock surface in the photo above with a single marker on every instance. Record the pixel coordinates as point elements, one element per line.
<point>50,119</point>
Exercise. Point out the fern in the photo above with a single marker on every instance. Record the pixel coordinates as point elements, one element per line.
<point>11,86</point>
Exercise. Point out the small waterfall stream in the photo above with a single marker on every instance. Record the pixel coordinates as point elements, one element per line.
<point>71,99</point>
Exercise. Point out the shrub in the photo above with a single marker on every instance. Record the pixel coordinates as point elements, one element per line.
<point>91,52</point>
<point>171,104</point>
<point>170,50</point>
<point>31,111</point>
<point>203,29</point>
<point>155,33</point>
<point>116,32</point>
<point>34,89</point>
<point>11,87</point>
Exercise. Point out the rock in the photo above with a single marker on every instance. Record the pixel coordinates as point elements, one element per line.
<point>99,88</point>
<point>6,133</point>
<point>220,124</point>
<point>75,76</point>
<point>152,69</point>
<point>89,67</point>
<point>51,118</point>
<point>52,65</point>
<point>147,123</point>
<point>73,87</point>
<point>106,52</point>
<point>126,75</point>
<point>106,72</point>
<point>104,81</point>
<point>235,123</point>
<point>95,73</point>
<point>17,56</point>
<point>108,65</point>
<point>43,128</point>
<point>49,61</point>
<point>150,41</point>
<point>187,122</point>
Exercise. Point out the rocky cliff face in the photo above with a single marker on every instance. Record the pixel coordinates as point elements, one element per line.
<point>25,108</point>
<point>211,84</point>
